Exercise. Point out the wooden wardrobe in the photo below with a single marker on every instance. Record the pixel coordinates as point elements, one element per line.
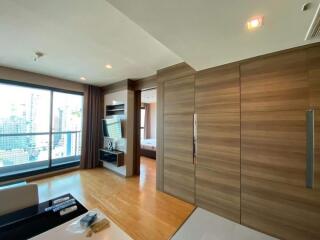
<point>217,98</point>
<point>277,95</point>
<point>178,131</point>
<point>243,141</point>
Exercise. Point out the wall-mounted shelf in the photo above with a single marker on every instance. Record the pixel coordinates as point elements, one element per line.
<point>112,110</point>
<point>112,156</point>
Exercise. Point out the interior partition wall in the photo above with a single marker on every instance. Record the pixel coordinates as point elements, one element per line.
<point>40,129</point>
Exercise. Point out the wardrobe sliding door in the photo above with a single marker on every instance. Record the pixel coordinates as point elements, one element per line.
<point>178,138</point>
<point>218,141</point>
<point>275,198</point>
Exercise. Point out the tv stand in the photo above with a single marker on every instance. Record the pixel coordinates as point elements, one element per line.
<point>112,156</point>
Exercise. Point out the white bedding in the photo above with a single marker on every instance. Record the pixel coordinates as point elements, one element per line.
<point>149,144</point>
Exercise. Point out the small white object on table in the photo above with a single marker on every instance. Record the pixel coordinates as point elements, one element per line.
<point>64,231</point>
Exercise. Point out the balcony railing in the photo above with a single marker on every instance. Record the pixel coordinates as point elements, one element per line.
<point>23,152</point>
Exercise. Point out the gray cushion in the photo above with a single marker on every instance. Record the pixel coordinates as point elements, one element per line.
<point>18,197</point>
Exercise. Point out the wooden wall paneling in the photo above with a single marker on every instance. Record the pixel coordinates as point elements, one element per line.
<point>281,210</point>
<point>273,146</point>
<point>317,151</point>
<point>179,95</point>
<point>178,137</point>
<point>160,124</point>
<point>217,104</point>
<point>313,65</point>
<point>145,83</point>
<point>178,156</point>
<point>179,179</point>
<point>274,83</point>
<point>218,164</point>
<point>136,137</point>
<point>174,72</point>
<point>274,198</point>
<point>115,87</point>
<point>217,89</point>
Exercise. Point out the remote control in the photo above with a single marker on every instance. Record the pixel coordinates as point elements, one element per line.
<point>68,210</point>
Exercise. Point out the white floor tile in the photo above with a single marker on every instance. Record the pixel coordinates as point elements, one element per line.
<point>204,225</point>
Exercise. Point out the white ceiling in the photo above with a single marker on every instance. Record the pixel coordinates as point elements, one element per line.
<point>207,33</point>
<point>149,96</point>
<point>79,37</point>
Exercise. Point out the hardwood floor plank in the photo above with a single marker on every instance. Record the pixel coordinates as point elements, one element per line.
<point>132,203</point>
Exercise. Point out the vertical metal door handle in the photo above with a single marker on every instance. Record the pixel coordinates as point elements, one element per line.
<point>310,149</point>
<point>194,138</point>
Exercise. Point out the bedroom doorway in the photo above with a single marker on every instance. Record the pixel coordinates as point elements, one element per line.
<point>147,132</point>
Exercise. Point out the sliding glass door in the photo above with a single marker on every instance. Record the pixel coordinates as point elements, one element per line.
<point>39,129</point>
<point>66,128</point>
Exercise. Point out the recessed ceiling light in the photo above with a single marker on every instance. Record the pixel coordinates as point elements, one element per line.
<point>255,22</point>
<point>108,66</point>
<point>83,78</point>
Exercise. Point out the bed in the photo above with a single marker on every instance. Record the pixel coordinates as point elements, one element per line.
<point>148,148</point>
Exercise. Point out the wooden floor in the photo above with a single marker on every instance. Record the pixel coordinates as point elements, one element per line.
<point>132,203</point>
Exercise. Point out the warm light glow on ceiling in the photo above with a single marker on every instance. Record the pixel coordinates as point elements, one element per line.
<point>255,22</point>
<point>83,78</point>
<point>108,66</point>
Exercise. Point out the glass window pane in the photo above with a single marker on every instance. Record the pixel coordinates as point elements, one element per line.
<point>24,129</point>
<point>23,109</point>
<point>141,133</point>
<point>23,153</point>
<point>66,126</point>
<point>142,117</point>
<point>67,112</point>
<point>65,148</point>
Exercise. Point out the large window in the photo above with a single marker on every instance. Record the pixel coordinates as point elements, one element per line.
<point>39,129</point>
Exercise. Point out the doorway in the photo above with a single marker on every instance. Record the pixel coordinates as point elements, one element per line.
<point>146,122</point>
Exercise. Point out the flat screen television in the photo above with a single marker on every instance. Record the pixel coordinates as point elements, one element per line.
<point>112,128</point>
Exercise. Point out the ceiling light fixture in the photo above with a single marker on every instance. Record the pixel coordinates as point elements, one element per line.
<point>306,7</point>
<point>83,78</point>
<point>108,66</point>
<point>38,55</point>
<point>255,22</point>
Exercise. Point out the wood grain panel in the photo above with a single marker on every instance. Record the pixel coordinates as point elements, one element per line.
<point>313,64</point>
<point>273,146</point>
<point>275,83</point>
<point>146,83</point>
<point>281,210</point>
<point>160,125</point>
<point>218,164</point>
<point>178,137</point>
<point>317,150</point>
<point>176,71</point>
<point>274,198</point>
<point>217,89</point>
<point>178,156</point>
<point>179,95</point>
<point>179,179</point>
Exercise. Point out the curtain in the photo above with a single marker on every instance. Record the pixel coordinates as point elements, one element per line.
<point>147,121</point>
<point>92,114</point>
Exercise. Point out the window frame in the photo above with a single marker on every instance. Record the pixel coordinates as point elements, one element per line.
<point>50,167</point>
<point>142,127</point>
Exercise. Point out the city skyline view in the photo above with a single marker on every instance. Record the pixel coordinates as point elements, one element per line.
<point>25,125</point>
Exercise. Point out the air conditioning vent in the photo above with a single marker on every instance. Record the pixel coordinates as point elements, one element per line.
<point>314,29</point>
